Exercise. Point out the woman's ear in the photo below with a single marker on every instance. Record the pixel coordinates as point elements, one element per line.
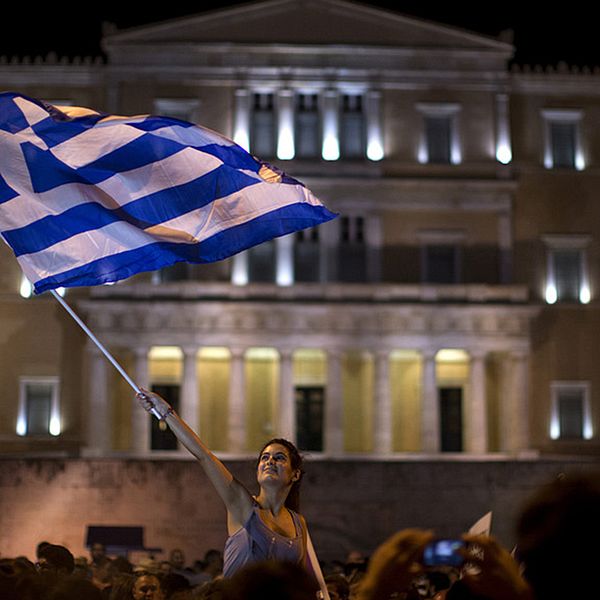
<point>296,475</point>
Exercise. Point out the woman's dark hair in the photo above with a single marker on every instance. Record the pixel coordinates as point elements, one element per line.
<point>293,499</point>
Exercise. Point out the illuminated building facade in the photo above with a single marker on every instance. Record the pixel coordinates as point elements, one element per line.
<point>450,309</point>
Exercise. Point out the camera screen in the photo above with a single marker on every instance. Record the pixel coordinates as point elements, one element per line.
<point>443,552</point>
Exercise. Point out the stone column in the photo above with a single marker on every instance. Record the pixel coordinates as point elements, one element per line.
<point>287,412</point>
<point>374,133</point>
<point>334,405</point>
<point>285,125</point>
<point>241,119</point>
<point>141,421</point>
<point>189,409</point>
<point>514,405</point>
<point>237,402</point>
<point>430,406</point>
<point>518,408</point>
<point>330,149</point>
<point>476,415</point>
<point>284,265</point>
<point>98,434</point>
<point>383,404</point>
<point>503,141</point>
<point>239,269</point>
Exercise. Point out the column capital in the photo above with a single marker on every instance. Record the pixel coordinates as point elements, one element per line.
<point>429,353</point>
<point>141,351</point>
<point>190,350</point>
<point>477,354</point>
<point>237,351</point>
<point>334,352</point>
<point>285,353</point>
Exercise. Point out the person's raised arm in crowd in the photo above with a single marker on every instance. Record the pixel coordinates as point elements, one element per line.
<point>492,573</point>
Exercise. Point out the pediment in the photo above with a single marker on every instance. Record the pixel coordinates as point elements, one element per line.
<point>307,22</point>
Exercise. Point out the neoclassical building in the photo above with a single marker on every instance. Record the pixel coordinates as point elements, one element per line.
<point>449,310</point>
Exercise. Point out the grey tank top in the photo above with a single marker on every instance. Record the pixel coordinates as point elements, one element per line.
<point>255,541</point>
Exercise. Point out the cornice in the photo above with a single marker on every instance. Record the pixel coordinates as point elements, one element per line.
<point>121,323</point>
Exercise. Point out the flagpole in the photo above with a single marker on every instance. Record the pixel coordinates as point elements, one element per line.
<point>100,346</point>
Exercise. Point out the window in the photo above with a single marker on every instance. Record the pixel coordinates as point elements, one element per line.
<point>262,126</point>
<point>441,255</point>
<point>161,437</point>
<point>262,261</point>
<point>309,417</point>
<point>306,255</point>
<point>39,409</point>
<point>352,126</point>
<point>441,264</point>
<point>451,422</point>
<point>567,274</point>
<point>352,250</point>
<point>570,414</point>
<point>439,141</point>
<point>438,131</point>
<point>562,140</point>
<point>307,126</point>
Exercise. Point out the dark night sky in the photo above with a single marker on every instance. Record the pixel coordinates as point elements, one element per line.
<point>541,37</point>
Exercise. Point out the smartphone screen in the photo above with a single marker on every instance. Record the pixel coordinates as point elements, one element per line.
<point>443,552</point>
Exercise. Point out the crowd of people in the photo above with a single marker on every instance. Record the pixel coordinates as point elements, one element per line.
<point>554,559</point>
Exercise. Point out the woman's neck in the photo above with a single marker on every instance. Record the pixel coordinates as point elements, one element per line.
<point>272,500</point>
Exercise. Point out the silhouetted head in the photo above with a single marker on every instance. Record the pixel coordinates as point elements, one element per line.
<point>554,533</point>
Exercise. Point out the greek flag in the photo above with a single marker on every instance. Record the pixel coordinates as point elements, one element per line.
<point>88,198</point>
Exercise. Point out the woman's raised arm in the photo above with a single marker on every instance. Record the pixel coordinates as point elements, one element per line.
<point>236,497</point>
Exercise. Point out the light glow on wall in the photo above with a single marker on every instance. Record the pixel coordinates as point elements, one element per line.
<point>503,153</point>
<point>21,423</point>
<point>584,294</point>
<point>25,289</point>
<point>422,154</point>
<point>285,142</point>
<point>551,293</point>
<point>285,260</point>
<point>554,426</point>
<point>331,148</point>
<point>374,150</point>
<point>241,138</point>
<point>54,427</point>
<point>239,270</point>
<point>285,125</point>
<point>455,151</point>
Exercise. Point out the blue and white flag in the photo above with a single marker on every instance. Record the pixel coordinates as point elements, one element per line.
<point>88,198</point>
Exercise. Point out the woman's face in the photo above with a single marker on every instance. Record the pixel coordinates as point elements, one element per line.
<point>147,587</point>
<point>275,466</point>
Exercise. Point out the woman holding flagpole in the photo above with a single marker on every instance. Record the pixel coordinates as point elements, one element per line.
<point>262,527</point>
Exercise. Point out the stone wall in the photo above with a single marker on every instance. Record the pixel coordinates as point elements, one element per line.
<point>349,504</point>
